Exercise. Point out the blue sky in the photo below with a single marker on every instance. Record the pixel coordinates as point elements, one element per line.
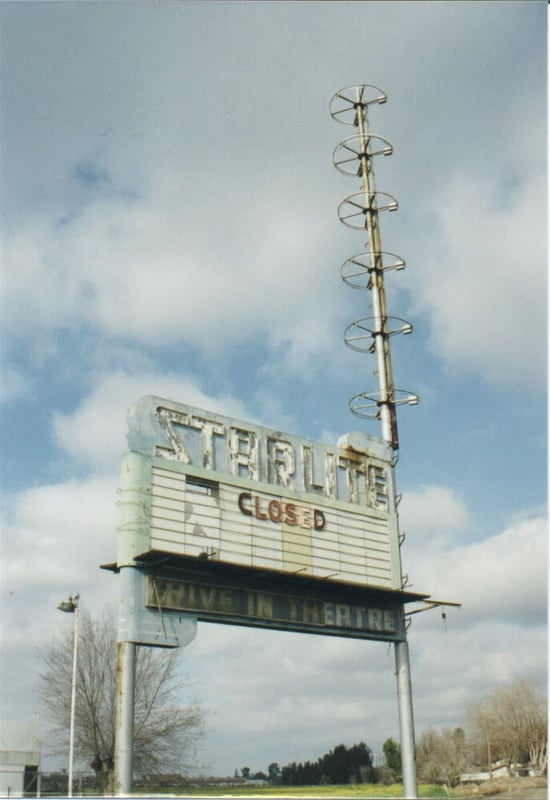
<point>169,227</point>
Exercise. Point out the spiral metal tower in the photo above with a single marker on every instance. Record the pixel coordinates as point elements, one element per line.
<point>366,271</point>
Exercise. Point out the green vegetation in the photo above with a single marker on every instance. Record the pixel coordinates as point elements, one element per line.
<point>342,765</point>
<point>358,790</point>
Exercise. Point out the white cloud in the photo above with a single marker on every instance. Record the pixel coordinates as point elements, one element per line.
<point>154,272</point>
<point>94,433</point>
<point>455,663</point>
<point>502,577</point>
<point>483,279</point>
<point>58,530</point>
<point>52,545</point>
<point>498,650</point>
<point>228,233</point>
<point>432,510</point>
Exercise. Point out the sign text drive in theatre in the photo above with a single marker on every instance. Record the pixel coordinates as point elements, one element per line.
<point>213,493</point>
<point>275,609</point>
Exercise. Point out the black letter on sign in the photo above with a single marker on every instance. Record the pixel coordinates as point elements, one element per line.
<point>242,497</point>
<point>319,521</point>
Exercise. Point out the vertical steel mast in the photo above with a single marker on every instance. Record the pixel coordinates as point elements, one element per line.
<point>354,156</point>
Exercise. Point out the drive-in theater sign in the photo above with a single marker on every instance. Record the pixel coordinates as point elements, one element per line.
<point>228,521</point>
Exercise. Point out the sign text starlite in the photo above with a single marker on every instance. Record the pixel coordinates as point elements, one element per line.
<point>258,454</point>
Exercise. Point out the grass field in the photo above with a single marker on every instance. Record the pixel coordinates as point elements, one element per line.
<point>512,788</point>
<point>359,790</point>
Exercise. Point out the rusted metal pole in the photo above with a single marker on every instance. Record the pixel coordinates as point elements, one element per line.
<point>388,416</point>
<point>388,425</point>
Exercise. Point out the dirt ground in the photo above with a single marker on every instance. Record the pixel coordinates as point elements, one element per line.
<point>508,789</point>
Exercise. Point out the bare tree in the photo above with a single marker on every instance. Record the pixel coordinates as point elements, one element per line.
<point>511,724</point>
<point>164,730</point>
<point>440,755</point>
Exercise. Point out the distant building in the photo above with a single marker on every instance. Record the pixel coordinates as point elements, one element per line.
<point>20,753</point>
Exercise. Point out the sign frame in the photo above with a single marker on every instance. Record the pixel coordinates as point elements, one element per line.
<point>316,533</point>
<point>239,596</point>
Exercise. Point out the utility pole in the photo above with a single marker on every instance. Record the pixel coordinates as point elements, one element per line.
<point>354,156</point>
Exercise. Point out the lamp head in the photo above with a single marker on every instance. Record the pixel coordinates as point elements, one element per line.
<point>70,605</point>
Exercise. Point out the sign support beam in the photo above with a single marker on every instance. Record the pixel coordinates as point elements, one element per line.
<point>406,718</point>
<point>125,679</point>
<point>124,734</point>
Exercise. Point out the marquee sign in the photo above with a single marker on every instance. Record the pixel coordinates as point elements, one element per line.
<point>198,485</point>
<point>272,606</point>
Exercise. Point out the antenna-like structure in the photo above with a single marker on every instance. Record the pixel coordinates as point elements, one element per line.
<point>354,156</point>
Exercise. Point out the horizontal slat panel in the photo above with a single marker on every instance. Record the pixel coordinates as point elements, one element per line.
<point>189,519</point>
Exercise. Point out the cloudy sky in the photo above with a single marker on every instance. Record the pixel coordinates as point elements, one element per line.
<point>169,227</point>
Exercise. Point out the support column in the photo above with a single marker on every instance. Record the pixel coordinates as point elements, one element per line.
<point>406,719</point>
<point>124,730</point>
<point>125,680</point>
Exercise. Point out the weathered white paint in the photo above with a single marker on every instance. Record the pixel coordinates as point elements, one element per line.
<point>264,529</point>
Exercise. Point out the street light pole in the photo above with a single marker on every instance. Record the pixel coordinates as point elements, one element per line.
<point>70,606</point>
